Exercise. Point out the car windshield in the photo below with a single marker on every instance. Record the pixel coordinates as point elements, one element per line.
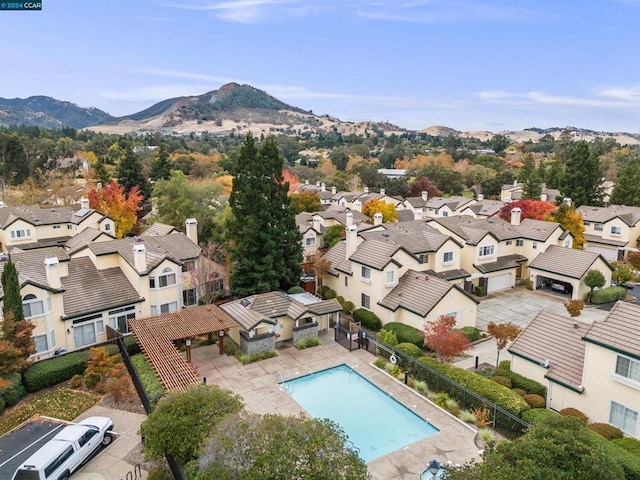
<point>27,475</point>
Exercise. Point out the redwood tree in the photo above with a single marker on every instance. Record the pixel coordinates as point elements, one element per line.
<point>444,340</point>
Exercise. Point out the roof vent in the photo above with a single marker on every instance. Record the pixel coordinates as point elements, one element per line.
<point>245,302</point>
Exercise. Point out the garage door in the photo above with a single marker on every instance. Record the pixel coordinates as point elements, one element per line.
<point>610,254</point>
<point>500,282</point>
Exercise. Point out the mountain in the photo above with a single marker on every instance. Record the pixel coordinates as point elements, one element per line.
<point>48,112</point>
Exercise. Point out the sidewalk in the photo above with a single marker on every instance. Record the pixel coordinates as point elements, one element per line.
<point>486,352</point>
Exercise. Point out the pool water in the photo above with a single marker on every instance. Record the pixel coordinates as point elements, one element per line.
<point>375,422</point>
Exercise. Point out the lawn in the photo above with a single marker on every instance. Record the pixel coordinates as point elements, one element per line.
<point>61,403</point>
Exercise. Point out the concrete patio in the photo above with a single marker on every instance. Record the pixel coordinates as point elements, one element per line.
<point>257,383</point>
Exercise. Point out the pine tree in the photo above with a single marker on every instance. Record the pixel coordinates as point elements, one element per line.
<point>130,173</point>
<point>530,179</point>
<point>627,188</point>
<point>583,176</point>
<point>161,166</point>
<point>12,311</point>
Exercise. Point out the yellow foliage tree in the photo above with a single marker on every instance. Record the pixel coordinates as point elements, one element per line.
<point>327,168</point>
<point>567,216</point>
<point>373,206</point>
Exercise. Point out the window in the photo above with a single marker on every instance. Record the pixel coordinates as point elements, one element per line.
<point>310,241</point>
<point>365,301</point>
<point>534,245</point>
<point>587,224</point>
<point>624,418</point>
<point>169,307</point>
<point>509,242</point>
<point>389,277</point>
<point>616,230</point>
<point>189,297</point>
<point>118,318</point>
<point>366,273</point>
<point>346,281</point>
<point>107,227</point>
<point>69,227</point>
<point>625,367</point>
<point>85,330</point>
<point>423,258</point>
<point>447,258</point>
<point>486,251</point>
<point>445,214</point>
<point>56,227</point>
<point>519,243</point>
<point>597,227</point>
<point>88,435</point>
<point>31,306</point>
<point>57,463</point>
<point>21,233</point>
<point>166,279</point>
<point>42,344</point>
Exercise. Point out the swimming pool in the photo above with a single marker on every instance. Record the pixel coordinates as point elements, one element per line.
<point>375,422</point>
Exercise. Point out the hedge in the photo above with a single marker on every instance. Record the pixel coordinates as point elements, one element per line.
<point>504,381</point>
<point>631,445</point>
<point>148,378</point>
<point>608,295</point>
<point>410,349</point>
<point>537,415</point>
<point>534,400</point>
<point>575,413</point>
<point>518,381</point>
<point>52,371</point>
<point>12,393</point>
<point>295,289</point>
<point>607,431</point>
<point>629,462</point>
<point>485,387</point>
<point>406,333</point>
<point>472,333</point>
<point>131,344</point>
<point>369,320</point>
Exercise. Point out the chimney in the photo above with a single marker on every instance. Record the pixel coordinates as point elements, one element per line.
<point>377,218</point>
<point>382,191</point>
<point>515,216</point>
<point>323,187</point>
<point>425,196</point>
<point>417,214</point>
<point>568,201</point>
<point>316,224</point>
<point>349,219</point>
<point>575,325</point>
<point>366,189</point>
<point>480,197</point>
<point>351,239</point>
<point>357,206</point>
<point>192,230</point>
<point>84,202</point>
<point>334,190</point>
<point>139,256</point>
<point>52,270</point>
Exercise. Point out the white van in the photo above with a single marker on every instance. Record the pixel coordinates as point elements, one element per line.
<point>67,451</point>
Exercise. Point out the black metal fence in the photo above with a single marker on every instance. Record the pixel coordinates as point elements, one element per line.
<point>502,420</point>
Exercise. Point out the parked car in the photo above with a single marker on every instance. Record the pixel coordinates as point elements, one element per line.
<point>67,451</point>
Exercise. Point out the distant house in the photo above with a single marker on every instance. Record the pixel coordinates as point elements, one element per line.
<point>611,231</point>
<point>594,368</point>
<point>435,207</point>
<point>513,192</point>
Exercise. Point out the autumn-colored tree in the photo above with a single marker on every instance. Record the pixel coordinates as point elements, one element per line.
<point>503,333</point>
<point>423,184</point>
<point>294,181</point>
<point>624,272</point>
<point>634,259</point>
<point>571,220</point>
<point>574,307</point>
<point>306,201</point>
<point>112,201</point>
<point>226,181</point>
<point>533,209</point>
<point>326,167</point>
<point>388,210</point>
<point>440,337</point>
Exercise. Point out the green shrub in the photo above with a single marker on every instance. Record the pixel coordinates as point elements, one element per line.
<point>246,359</point>
<point>479,291</point>
<point>528,284</point>
<point>629,462</point>
<point>380,362</point>
<point>329,294</point>
<point>467,417</point>
<point>410,349</point>
<point>159,473</point>
<point>472,333</point>
<point>389,338</point>
<point>537,415</point>
<point>232,348</point>
<point>111,348</point>
<point>296,289</point>
<point>482,386</point>
<point>518,381</point>
<point>504,381</point>
<point>406,333</point>
<point>607,431</point>
<point>534,400</point>
<point>631,445</point>
<point>452,406</point>
<point>131,345</point>
<point>14,391</point>
<point>308,343</point>
<point>348,306</point>
<point>369,320</point>
<point>575,413</point>
<point>52,371</point>
<point>486,372</point>
<point>322,291</point>
<point>520,391</point>
<point>148,378</point>
<point>608,295</point>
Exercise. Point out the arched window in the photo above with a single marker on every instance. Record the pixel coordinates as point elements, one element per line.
<point>167,278</point>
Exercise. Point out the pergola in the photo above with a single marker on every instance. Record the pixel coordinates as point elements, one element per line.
<point>156,335</point>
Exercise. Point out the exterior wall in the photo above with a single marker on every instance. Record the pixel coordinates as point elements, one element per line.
<point>449,246</point>
<point>306,331</point>
<point>312,236</point>
<point>259,343</point>
<point>14,227</point>
<point>165,295</point>
<point>528,369</point>
<point>49,322</point>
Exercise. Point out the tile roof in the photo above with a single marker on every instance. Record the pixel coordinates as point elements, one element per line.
<point>473,230</point>
<point>336,256</point>
<point>453,274</point>
<point>178,245</point>
<point>454,203</point>
<point>629,215</point>
<point>405,215</point>
<point>417,292</point>
<point>619,330</point>
<point>84,238</point>
<point>604,241</point>
<point>374,253</point>
<point>42,243</point>
<point>158,229</point>
<point>557,339</point>
<point>502,263</point>
<point>35,215</point>
<point>89,290</point>
<point>566,261</point>
<point>30,265</point>
<point>415,236</point>
<point>487,207</point>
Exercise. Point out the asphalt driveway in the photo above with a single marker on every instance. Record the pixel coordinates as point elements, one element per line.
<point>520,306</point>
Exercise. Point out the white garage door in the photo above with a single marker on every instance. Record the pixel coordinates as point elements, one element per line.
<point>610,254</point>
<point>500,282</point>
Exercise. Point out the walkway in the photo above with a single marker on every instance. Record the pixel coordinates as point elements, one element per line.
<point>257,384</point>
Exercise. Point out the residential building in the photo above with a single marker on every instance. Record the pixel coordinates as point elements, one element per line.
<point>435,207</point>
<point>513,192</point>
<point>611,231</point>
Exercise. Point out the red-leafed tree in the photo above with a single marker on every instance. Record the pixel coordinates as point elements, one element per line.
<point>440,337</point>
<point>294,181</point>
<point>112,201</point>
<point>503,333</point>
<point>534,209</point>
<point>424,184</point>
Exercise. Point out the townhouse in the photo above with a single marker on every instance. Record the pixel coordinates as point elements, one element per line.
<point>425,207</point>
<point>611,231</point>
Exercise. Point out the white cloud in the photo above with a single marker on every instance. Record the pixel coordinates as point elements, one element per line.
<point>237,11</point>
<point>622,99</point>
<point>631,94</point>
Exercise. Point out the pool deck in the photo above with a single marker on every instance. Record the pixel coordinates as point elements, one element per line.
<point>257,383</point>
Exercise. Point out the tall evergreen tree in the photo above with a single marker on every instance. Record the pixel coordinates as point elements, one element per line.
<point>161,166</point>
<point>530,179</point>
<point>582,176</point>
<point>12,301</point>
<point>265,243</point>
<point>130,173</point>
<point>100,171</point>
<point>627,187</point>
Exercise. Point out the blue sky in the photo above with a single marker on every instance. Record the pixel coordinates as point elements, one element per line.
<point>467,64</point>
